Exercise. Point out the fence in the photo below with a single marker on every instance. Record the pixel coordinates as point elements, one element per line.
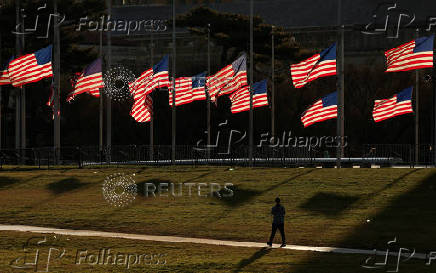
<point>159,155</point>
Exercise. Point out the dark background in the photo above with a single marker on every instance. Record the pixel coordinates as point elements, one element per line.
<point>300,31</point>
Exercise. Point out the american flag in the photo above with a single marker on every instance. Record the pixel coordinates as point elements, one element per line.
<point>323,109</point>
<point>319,65</point>
<point>412,55</point>
<point>156,77</point>
<point>188,89</point>
<point>4,74</point>
<point>399,104</point>
<point>229,79</point>
<point>89,81</point>
<point>31,67</point>
<point>241,98</point>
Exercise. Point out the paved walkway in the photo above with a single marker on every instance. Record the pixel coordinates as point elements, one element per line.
<point>175,239</point>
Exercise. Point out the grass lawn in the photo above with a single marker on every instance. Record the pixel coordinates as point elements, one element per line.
<point>80,253</point>
<point>325,207</point>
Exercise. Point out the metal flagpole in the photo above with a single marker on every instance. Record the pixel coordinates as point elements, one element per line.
<point>273,101</point>
<point>18,92</point>
<point>1,116</point>
<point>417,110</point>
<point>23,96</point>
<point>101,102</point>
<point>250,144</point>
<point>56,79</point>
<point>152,110</point>
<point>108,99</point>
<point>173,142</point>
<point>207,93</point>
<point>434,106</point>
<point>340,88</point>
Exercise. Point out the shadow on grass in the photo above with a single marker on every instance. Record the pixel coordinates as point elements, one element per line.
<point>198,177</point>
<point>393,183</point>
<point>256,256</point>
<point>65,185</point>
<point>275,186</point>
<point>410,218</point>
<point>240,196</point>
<point>329,204</point>
<point>7,181</point>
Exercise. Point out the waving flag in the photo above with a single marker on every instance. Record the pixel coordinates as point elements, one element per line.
<point>323,109</point>
<point>241,98</point>
<point>156,77</point>
<point>4,74</point>
<point>89,81</point>
<point>145,115</point>
<point>229,79</point>
<point>399,104</point>
<point>31,67</point>
<point>412,55</point>
<point>188,89</point>
<point>319,65</point>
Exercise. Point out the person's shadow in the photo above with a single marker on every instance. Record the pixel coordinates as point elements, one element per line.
<point>257,255</point>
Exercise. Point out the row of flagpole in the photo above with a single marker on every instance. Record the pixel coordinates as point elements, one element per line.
<point>20,128</point>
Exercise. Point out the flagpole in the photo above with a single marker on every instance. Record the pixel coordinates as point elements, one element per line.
<point>18,91</point>
<point>417,110</point>
<point>23,96</point>
<point>152,106</point>
<point>207,93</point>
<point>250,148</point>
<point>434,106</point>
<point>101,102</point>
<point>340,88</point>
<point>56,93</point>
<point>1,116</point>
<point>108,99</point>
<point>273,101</point>
<point>173,116</point>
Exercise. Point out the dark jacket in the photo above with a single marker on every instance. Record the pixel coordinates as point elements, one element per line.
<point>278,211</point>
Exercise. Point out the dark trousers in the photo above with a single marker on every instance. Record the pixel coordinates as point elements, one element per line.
<point>281,228</point>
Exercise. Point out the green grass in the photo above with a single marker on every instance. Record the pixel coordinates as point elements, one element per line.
<point>173,257</point>
<point>325,207</point>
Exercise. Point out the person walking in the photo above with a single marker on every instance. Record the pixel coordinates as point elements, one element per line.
<point>278,212</point>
